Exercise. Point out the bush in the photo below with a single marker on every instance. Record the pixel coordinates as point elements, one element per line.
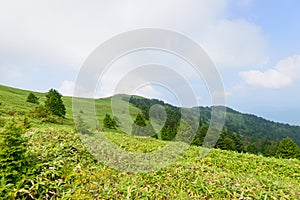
<point>52,119</point>
<point>32,99</point>
<point>39,111</point>
<point>13,150</point>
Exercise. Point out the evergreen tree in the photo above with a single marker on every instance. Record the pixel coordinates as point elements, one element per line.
<point>140,120</point>
<point>238,142</point>
<point>288,149</point>
<point>226,141</point>
<point>140,127</point>
<point>251,148</point>
<point>54,103</point>
<point>201,133</point>
<point>32,98</point>
<point>270,148</point>
<point>109,122</point>
<point>168,133</point>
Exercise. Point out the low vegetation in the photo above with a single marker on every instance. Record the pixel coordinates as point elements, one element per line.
<point>42,159</point>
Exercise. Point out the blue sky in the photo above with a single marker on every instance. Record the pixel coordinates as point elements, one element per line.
<point>254,44</point>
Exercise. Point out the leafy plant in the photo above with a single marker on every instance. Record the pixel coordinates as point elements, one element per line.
<point>13,157</point>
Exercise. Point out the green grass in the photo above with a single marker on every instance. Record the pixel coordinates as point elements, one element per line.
<point>64,168</point>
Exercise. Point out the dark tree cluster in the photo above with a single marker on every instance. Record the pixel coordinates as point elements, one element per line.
<point>53,109</point>
<point>173,115</point>
<point>241,133</point>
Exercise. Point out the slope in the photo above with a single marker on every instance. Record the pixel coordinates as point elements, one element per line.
<point>62,168</point>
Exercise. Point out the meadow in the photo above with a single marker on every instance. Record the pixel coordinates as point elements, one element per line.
<point>62,167</point>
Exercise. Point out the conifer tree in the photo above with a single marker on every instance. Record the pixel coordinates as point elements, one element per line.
<point>54,103</point>
<point>288,149</point>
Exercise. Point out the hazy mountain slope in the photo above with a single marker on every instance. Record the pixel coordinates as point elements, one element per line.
<point>256,127</point>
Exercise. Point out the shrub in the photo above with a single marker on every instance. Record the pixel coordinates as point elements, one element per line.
<point>32,99</point>
<point>12,153</point>
<point>39,111</point>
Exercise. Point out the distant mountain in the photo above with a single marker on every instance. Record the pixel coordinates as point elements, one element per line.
<point>252,128</point>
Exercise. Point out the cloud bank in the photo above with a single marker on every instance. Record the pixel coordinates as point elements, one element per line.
<point>284,74</point>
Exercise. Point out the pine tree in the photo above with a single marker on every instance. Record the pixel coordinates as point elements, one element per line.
<point>140,128</point>
<point>288,149</point>
<point>140,120</point>
<point>109,122</point>
<point>54,103</point>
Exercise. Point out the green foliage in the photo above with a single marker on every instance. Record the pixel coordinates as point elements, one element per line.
<point>2,121</point>
<point>109,122</point>
<point>251,148</point>
<point>67,171</point>
<point>288,149</point>
<point>32,98</point>
<point>62,168</point>
<point>54,103</point>
<point>13,160</point>
<point>44,115</point>
<point>39,111</point>
<point>185,132</point>
<point>140,120</point>
<point>81,126</point>
<point>141,128</point>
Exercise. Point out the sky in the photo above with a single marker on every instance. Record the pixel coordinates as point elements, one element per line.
<point>254,45</point>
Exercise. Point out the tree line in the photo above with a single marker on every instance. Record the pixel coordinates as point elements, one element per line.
<point>228,140</point>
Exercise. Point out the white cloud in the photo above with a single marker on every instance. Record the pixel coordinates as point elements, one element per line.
<point>63,33</point>
<point>285,73</point>
<point>67,88</point>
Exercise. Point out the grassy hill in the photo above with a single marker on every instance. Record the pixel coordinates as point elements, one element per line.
<point>63,168</point>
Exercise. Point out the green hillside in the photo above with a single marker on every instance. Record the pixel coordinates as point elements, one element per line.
<point>60,167</point>
<point>252,126</point>
<point>241,132</point>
